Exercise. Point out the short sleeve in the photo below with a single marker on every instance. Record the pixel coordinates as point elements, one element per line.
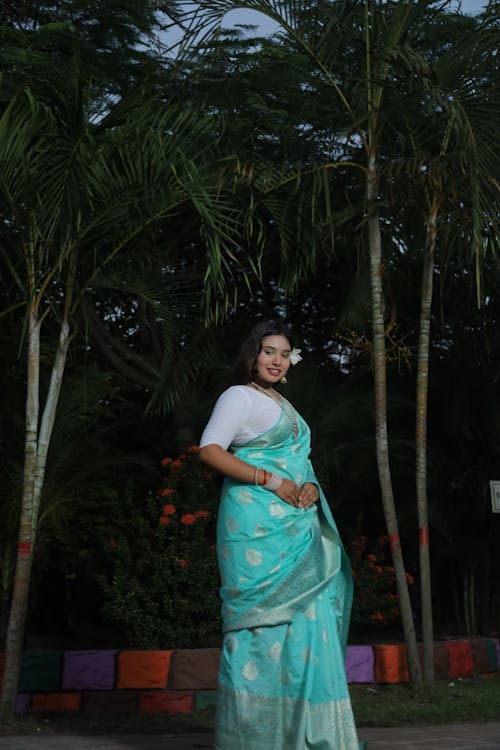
<point>231,413</point>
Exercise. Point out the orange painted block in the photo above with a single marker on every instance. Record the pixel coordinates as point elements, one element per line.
<point>166,703</point>
<point>143,669</point>
<point>390,663</point>
<point>461,659</point>
<point>56,702</point>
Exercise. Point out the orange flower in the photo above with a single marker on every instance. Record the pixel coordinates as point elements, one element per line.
<point>169,510</point>
<point>183,563</point>
<point>166,492</point>
<point>188,519</point>
<point>192,449</point>
<point>166,462</point>
<point>202,514</point>
<point>410,579</point>
<point>176,464</point>
<point>164,520</point>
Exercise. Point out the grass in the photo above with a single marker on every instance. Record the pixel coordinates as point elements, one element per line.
<point>447,702</point>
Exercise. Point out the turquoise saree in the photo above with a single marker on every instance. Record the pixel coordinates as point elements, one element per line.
<point>286,599</point>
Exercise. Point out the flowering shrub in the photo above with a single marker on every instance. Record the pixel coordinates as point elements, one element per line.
<point>376,601</point>
<point>164,588</point>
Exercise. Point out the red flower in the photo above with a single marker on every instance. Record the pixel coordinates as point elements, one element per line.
<point>166,492</point>
<point>164,520</point>
<point>378,616</point>
<point>183,563</point>
<point>169,510</point>
<point>166,462</point>
<point>188,519</point>
<point>176,464</point>
<point>371,558</point>
<point>202,514</point>
<point>192,449</point>
<point>378,568</point>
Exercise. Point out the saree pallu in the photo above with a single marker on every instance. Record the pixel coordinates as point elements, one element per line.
<point>286,599</point>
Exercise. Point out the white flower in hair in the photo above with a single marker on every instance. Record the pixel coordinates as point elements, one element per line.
<point>295,357</point>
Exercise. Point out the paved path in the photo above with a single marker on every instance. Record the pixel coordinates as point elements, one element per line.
<point>484,736</point>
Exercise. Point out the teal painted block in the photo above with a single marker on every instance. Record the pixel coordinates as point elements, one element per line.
<point>491,650</point>
<point>40,671</point>
<point>205,699</point>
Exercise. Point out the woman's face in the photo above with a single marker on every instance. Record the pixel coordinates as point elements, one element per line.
<point>273,360</point>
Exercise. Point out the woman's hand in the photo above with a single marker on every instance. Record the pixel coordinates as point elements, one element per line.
<point>309,494</point>
<point>289,492</point>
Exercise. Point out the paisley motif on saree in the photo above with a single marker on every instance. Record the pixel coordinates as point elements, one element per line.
<point>286,598</point>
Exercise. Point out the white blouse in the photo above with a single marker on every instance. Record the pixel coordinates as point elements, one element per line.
<point>240,414</point>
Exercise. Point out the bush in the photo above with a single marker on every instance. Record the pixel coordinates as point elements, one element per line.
<point>164,587</point>
<point>376,601</point>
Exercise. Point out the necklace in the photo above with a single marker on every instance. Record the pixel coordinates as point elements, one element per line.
<point>284,405</point>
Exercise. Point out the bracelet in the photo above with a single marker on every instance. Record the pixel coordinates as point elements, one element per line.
<point>273,483</point>
<point>266,476</point>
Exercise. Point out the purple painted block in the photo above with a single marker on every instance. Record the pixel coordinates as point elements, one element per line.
<point>89,670</point>
<point>359,664</point>
<point>22,705</point>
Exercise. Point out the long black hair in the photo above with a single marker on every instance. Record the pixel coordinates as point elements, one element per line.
<point>243,369</point>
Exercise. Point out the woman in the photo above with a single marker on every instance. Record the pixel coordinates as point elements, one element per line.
<point>286,582</point>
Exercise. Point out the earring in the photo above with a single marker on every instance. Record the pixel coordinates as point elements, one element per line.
<point>283,380</point>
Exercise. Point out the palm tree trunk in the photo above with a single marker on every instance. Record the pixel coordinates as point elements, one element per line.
<point>36,447</point>
<point>19,601</point>
<point>421,444</point>
<point>380,382</point>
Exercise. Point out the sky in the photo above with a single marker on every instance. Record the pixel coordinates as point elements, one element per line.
<point>268,27</point>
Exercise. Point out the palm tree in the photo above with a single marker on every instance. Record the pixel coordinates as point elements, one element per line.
<point>74,193</point>
<point>396,71</point>
<point>325,32</point>
<point>449,167</point>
